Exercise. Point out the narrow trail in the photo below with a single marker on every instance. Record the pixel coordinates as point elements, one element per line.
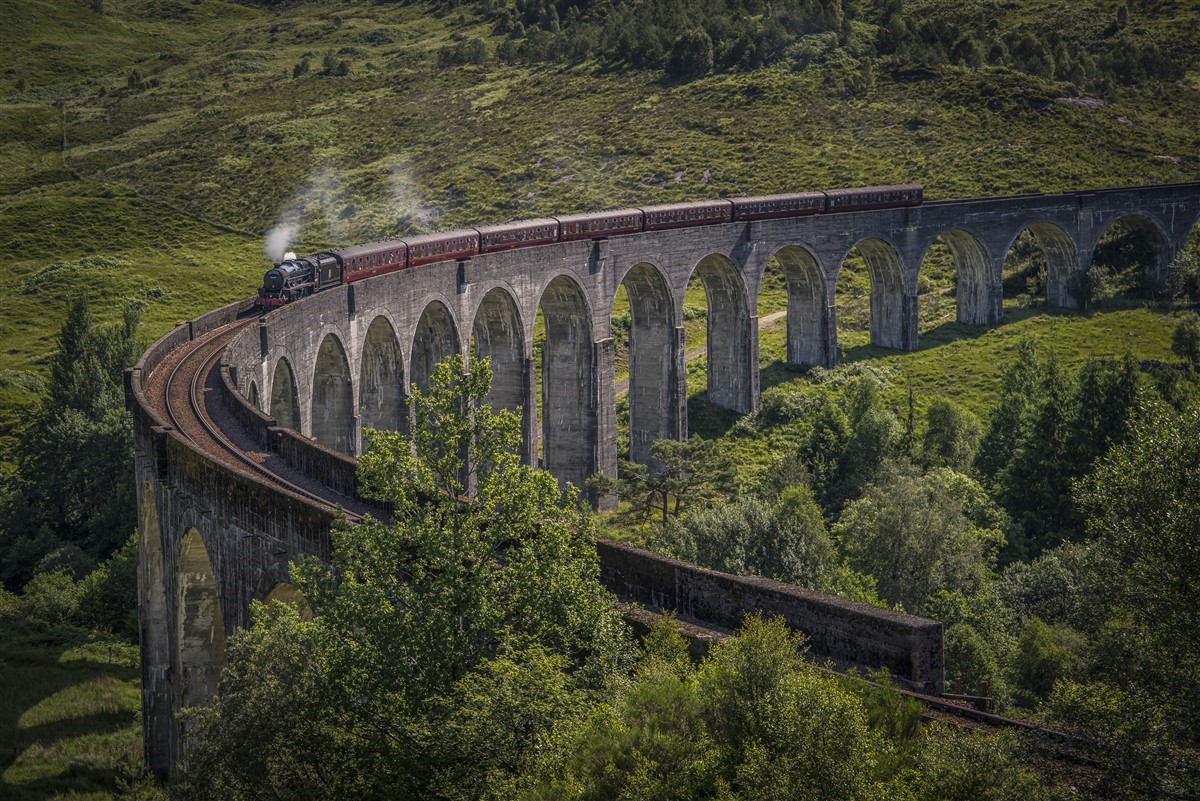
<point>695,353</point>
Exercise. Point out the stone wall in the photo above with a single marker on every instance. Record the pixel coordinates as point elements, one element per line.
<point>849,633</point>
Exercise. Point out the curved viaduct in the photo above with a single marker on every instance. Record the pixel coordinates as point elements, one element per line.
<point>293,390</point>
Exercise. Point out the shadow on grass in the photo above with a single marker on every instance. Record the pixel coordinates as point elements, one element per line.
<point>32,673</point>
<point>706,420</point>
<point>951,332</point>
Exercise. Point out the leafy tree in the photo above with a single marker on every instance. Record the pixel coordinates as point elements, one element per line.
<point>911,534</point>
<point>787,541</point>
<point>1055,587</point>
<point>874,436</point>
<point>74,480</point>
<point>444,645</point>
<point>953,764</point>
<point>951,436</point>
<point>108,595</point>
<point>1035,484</point>
<point>1185,339</point>
<point>1044,655</point>
<point>691,55</point>
<point>1105,398</point>
<point>680,474</point>
<point>980,640</point>
<point>1020,380</point>
<point>52,597</point>
<point>1143,506</point>
<point>754,722</point>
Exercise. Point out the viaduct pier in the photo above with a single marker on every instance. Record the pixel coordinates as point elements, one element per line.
<point>246,426</point>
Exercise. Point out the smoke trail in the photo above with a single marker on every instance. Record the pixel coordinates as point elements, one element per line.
<point>275,244</point>
<point>406,207</point>
<point>310,213</point>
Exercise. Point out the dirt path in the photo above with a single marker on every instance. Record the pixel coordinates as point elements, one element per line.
<point>696,353</point>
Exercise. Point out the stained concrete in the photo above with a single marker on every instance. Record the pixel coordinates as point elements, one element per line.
<point>250,530</point>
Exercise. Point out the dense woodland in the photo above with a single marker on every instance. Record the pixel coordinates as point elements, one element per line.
<point>687,40</point>
<point>1049,520</point>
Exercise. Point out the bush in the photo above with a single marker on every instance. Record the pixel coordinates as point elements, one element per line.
<point>1185,341</point>
<point>1044,656</point>
<point>108,595</point>
<point>52,597</point>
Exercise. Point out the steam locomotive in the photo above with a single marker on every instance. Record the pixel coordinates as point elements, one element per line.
<point>294,278</point>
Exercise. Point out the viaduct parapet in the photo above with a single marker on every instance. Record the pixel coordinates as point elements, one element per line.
<point>294,389</point>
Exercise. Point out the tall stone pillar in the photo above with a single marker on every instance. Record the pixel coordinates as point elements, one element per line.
<point>909,337</point>
<point>752,372</point>
<point>678,388</point>
<point>529,418</point>
<point>829,324</point>
<point>604,408</point>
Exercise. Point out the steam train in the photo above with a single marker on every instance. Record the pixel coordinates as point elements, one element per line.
<point>294,278</point>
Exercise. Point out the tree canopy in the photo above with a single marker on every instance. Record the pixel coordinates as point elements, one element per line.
<point>444,644</point>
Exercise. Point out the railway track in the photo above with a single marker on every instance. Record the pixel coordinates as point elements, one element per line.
<point>185,393</point>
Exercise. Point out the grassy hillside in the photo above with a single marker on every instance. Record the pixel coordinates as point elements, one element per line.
<point>169,137</point>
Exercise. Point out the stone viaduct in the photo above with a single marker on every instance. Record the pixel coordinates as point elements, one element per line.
<point>314,374</point>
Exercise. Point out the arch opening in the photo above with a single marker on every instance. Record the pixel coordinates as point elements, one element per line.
<point>794,271</point>
<point>252,395</point>
<point>1183,276</point>
<point>285,398</point>
<point>333,397</point>
<point>381,403</point>
<point>200,626</point>
<point>871,297</point>
<point>956,282</point>
<point>652,346</point>
<point>1040,263</point>
<point>498,335</point>
<point>1131,259</point>
<point>568,409</point>
<point>436,339</point>
<point>727,336</point>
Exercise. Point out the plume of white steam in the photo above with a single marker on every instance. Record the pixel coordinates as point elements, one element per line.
<point>311,210</point>
<point>277,240</point>
<point>405,199</point>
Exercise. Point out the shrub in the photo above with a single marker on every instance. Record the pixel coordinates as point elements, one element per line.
<point>52,597</point>
<point>1185,341</point>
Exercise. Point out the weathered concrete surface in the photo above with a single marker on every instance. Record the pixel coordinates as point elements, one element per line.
<point>850,633</point>
<point>214,538</point>
<point>488,306</point>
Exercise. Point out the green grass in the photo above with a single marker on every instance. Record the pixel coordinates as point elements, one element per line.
<point>69,715</point>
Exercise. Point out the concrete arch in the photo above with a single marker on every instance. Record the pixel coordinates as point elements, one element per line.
<point>252,394</point>
<point>435,339</point>
<point>1157,235</point>
<point>498,334</point>
<point>978,296</point>
<point>1062,260</point>
<point>154,628</point>
<point>656,343</point>
<point>285,593</point>
<point>285,398</point>
<point>569,428</point>
<point>808,340</point>
<point>381,401</point>
<point>199,623</point>
<point>333,397</point>
<point>893,312</point>
<point>730,349</point>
